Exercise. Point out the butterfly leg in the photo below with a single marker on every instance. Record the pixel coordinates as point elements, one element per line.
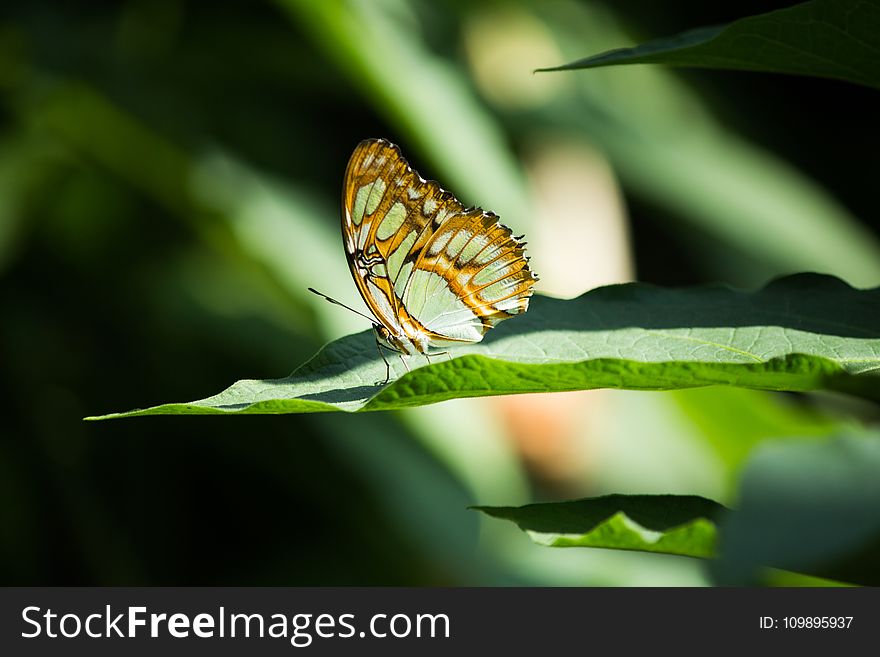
<point>384,360</point>
<point>405,364</point>
<point>439,353</point>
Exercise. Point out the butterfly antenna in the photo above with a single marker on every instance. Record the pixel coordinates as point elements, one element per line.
<point>339,303</point>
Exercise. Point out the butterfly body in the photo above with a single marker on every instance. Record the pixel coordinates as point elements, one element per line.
<point>433,273</point>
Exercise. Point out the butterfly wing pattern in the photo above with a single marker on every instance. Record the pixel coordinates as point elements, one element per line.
<point>432,272</point>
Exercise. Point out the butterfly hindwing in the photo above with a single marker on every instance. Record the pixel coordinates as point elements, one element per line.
<point>427,267</point>
<point>471,275</point>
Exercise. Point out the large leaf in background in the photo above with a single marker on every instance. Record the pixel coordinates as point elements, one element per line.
<point>803,332</point>
<point>763,216</point>
<point>809,507</point>
<point>669,524</point>
<point>824,38</point>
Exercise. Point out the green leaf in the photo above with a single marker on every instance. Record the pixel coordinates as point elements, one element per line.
<point>788,579</point>
<point>747,214</point>
<point>669,524</point>
<point>806,507</point>
<point>802,332</point>
<point>824,38</point>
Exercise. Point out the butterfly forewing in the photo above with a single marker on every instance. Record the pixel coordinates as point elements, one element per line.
<point>430,270</point>
<point>381,225</point>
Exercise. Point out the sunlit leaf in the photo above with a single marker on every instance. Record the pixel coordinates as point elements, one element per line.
<point>804,332</point>
<point>670,524</point>
<point>824,38</point>
<point>805,507</point>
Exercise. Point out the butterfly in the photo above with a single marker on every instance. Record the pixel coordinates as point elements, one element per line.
<point>433,273</point>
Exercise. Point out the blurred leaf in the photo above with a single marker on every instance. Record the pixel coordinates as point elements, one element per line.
<point>411,484</point>
<point>734,421</point>
<point>421,94</point>
<point>804,332</point>
<point>670,524</point>
<point>26,169</point>
<point>271,221</point>
<point>808,507</point>
<point>824,38</point>
<point>247,218</point>
<point>669,150</point>
<point>472,442</point>
<point>788,579</point>
<point>745,197</point>
<point>86,122</point>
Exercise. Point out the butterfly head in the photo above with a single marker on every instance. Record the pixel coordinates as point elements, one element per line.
<point>390,340</point>
<point>400,341</point>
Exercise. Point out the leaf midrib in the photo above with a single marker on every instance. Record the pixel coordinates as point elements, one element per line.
<point>707,343</point>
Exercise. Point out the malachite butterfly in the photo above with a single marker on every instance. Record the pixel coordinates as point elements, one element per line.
<point>433,273</point>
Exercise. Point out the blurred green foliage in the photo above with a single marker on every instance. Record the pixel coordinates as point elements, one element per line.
<point>169,181</point>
